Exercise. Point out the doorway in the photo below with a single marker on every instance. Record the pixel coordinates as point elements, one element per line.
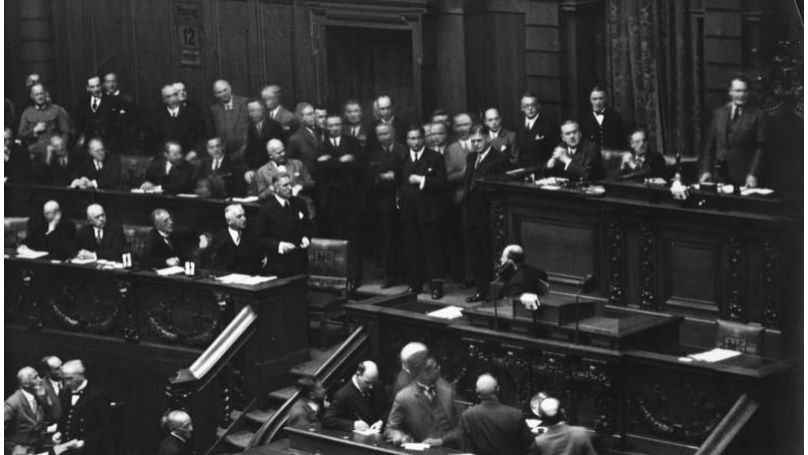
<point>363,63</point>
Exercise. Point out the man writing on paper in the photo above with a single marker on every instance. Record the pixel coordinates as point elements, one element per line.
<point>359,404</point>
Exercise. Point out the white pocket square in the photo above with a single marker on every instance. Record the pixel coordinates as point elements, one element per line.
<point>300,215</point>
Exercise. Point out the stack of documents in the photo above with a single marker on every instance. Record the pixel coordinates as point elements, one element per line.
<point>244,200</point>
<point>187,195</point>
<point>27,253</point>
<point>714,355</point>
<point>247,280</point>
<point>450,312</point>
<point>173,270</point>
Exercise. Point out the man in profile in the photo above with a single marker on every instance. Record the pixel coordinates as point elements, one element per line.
<point>179,427</point>
<point>310,405</point>
<point>26,411</point>
<point>85,411</point>
<point>99,239</point>
<point>359,404</point>
<point>490,427</point>
<point>560,437</point>
<point>51,372</point>
<point>170,174</point>
<point>405,376</point>
<point>170,246</point>
<point>237,248</point>
<point>735,140</point>
<point>575,158</point>
<point>304,144</point>
<point>51,232</point>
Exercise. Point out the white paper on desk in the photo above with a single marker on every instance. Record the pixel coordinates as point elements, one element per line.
<point>760,191</point>
<point>714,355</point>
<point>247,280</point>
<point>27,253</point>
<point>173,270</point>
<point>187,195</point>
<point>368,432</point>
<point>449,312</point>
<point>81,261</point>
<point>415,446</point>
<point>244,200</point>
<point>137,190</point>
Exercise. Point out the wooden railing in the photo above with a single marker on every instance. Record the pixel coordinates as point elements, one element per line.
<point>733,422</point>
<point>335,367</point>
<point>210,388</point>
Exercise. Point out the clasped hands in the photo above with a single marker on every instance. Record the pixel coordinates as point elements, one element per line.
<point>398,439</point>
<point>347,158</point>
<point>83,183</point>
<point>286,247</point>
<point>559,154</point>
<point>361,425</point>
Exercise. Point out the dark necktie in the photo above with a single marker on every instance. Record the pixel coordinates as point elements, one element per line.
<point>98,236</point>
<point>736,113</point>
<point>95,104</point>
<point>429,392</point>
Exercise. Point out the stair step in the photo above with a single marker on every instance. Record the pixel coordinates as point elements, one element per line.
<point>240,439</point>
<point>260,416</point>
<point>283,394</point>
<point>279,447</point>
<point>220,432</point>
<point>318,358</point>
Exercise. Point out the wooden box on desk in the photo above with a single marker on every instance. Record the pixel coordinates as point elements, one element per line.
<point>555,311</point>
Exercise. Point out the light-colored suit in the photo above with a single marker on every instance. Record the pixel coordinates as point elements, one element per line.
<point>262,181</point>
<point>455,158</point>
<point>231,125</point>
<point>23,425</point>
<point>413,415</point>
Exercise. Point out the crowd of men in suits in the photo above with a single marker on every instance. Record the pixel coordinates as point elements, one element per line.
<point>404,194</point>
<point>422,407</point>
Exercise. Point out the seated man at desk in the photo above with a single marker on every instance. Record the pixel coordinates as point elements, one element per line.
<point>237,248</point>
<point>310,405</point>
<point>169,246</point>
<point>642,162</point>
<point>517,279</point>
<point>357,405</point>
<point>99,239</point>
<point>100,170</point>
<point>51,232</point>
<point>425,411</point>
<point>560,437</point>
<point>170,174</point>
<point>492,428</point>
<point>575,158</point>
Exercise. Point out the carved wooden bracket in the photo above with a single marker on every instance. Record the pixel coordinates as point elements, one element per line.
<point>160,319</point>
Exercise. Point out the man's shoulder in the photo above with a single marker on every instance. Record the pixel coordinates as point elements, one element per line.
<point>15,399</point>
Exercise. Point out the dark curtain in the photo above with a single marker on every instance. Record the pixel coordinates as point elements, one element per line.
<point>650,66</point>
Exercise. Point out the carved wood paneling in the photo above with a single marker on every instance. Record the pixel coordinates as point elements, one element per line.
<point>616,246</point>
<point>499,227</point>
<point>771,311</point>
<point>735,278</point>
<point>648,278</point>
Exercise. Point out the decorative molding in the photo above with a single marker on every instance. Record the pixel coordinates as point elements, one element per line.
<point>770,302</point>
<point>735,277</point>
<point>648,281</point>
<point>131,330</point>
<point>615,241</point>
<point>98,321</point>
<point>499,230</point>
<point>160,320</point>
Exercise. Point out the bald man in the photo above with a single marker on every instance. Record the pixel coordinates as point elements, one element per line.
<point>51,232</point>
<point>26,411</point>
<point>515,277</point>
<point>560,438</point>
<point>85,411</point>
<point>404,376</point>
<point>99,239</point>
<point>262,178</point>
<point>179,426</point>
<point>359,404</point>
<point>490,427</point>
<point>237,248</point>
<point>51,372</point>
<point>228,118</point>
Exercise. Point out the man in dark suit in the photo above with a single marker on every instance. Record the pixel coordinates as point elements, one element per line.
<point>341,184</point>
<point>502,140</point>
<point>59,166</point>
<point>261,130</point>
<point>271,95</point>
<point>603,126</point>
<point>483,162</point>
<point>170,174</point>
<point>425,410</point>
<point>515,277</point>
<point>735,140</point>
<point>642,162</point>
<point>222,168</point>
<point>574,158</point>
<point>237,249</point>
<point>51,373</point>
<point>421,188</point>
<point>385,171</point>
<point>99,170</point>
<point>491,428</point>
<point>453,222</point>
<point>128,114</point>
<point>355,125</point>
<point>16,159</point>
<point>99,239</point>
<point>284,230</point>
<point>51,232</point>
<point>386,112</point>
<point>96,115</point>
<point>178,123</point>
<point>229,119</point>
<point>170,246</point>
<point>535,136</point>
<point>359,404</point>
<point>85,411</point>
<point>304,144</point>
<point>560,438</point>
<point>309,407</point>
<point>25,412</point>
<point>179,426</point>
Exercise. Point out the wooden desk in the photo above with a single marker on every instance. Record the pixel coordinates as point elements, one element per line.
<point>121,207</point>
<point>315,441</point>
<point>134,329</point>
<point>712,256</point>
<point>652,401</point>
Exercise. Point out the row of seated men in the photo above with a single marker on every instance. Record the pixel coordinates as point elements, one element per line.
<point>424,409</point>
<point>276,245</point>
<point>61,411</point>
<point>399,194</point>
